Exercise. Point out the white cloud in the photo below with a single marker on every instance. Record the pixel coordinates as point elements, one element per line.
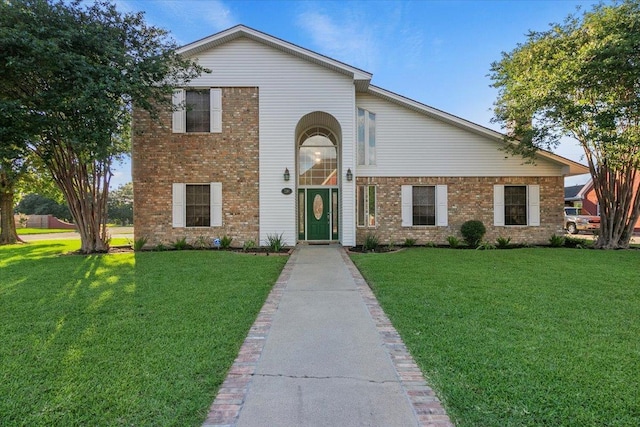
<point>365,37</point>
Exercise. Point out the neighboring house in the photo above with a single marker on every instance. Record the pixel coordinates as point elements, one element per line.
<point>585,197</point>
<point>278,139</point>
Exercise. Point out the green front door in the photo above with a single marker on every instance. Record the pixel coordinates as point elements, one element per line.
<point>318,224</point>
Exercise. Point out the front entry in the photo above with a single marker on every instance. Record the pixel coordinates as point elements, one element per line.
<point>318,220</point>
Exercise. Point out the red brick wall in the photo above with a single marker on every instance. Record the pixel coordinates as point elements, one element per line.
<point>161,158</point>
<point>468,198</point>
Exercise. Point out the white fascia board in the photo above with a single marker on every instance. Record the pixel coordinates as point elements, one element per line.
<point>361,77</point>
<point>569,166</point>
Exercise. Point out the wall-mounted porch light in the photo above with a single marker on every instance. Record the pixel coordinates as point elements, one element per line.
<point>287,175</point>
<point>349,175</point>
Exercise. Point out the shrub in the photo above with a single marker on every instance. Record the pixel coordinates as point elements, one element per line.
<point>139,243</point>
<point>556,241</point>
<point>248,245</point>
<point>409,242</point>
<point>572,242</point>
<point>275,242</point>
<point>160,247</point>
<point>503,242</point>
<point>180,244</point>
<point>371,242</point>
<point>200,242</point>
<point>485,246</point>
<point>473,231</point>
<point>225,242</point>
<point>431,245</point>
<point>454,242</point>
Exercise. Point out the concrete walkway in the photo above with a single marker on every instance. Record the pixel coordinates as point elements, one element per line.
<point>322,353</point>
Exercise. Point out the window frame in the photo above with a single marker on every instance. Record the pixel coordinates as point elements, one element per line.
<point>364,204</point>
<point>510,219</point>
<point>434,206</point>
<point>365,137</point>
<point>180,110</point>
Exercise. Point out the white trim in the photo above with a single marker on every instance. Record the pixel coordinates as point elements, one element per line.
<point>178,205</point>
<point>179,122</point>
<point>498,205</point>
<point>215,107</point>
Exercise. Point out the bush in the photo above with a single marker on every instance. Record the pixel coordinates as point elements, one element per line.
<point>409,242</point>
<point>139,243</point>
<point>248,245</point>
<point>275,242</point>
<point>556,241</point>
<point>485,246</point>
<point>503,242</point>
<point>572,242</point>
<point>371,242</point>
<point>454,242</point>
<point>201,242</point>
<point>473,231</point>
<point>181,244</point>
<point>225,242</point>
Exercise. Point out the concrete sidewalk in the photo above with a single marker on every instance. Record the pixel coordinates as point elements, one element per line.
<point>322,353</point>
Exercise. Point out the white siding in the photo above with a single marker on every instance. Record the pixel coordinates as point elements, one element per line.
<point>289,88</point>
<point>412,144</point>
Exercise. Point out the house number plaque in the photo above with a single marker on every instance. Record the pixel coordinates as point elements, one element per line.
<point>287,190</point>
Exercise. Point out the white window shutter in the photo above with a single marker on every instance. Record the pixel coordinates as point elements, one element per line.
<point>442,208</point>
<point>407,205</point>
<point>498,205</point>
<point>216,110</point>
<point>216,204</point>
<point>178,205</point>
<point>533,202</point>
<point>179,116</point>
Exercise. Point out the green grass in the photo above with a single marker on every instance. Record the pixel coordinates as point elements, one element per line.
<point>526,337</point>
<point>26,231</point>
<point>140,339</point>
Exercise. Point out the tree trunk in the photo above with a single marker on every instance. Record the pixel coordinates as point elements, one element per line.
<point>85,186</point>
<point>8,234</point>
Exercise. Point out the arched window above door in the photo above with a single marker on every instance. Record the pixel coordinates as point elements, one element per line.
<point>317,157</point>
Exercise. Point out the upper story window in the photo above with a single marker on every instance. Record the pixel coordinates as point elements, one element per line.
<point>317,157</point>
<point>197,110</point>
<point>366,137</point>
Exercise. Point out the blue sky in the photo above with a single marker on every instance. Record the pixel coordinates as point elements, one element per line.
<point>435,52</point>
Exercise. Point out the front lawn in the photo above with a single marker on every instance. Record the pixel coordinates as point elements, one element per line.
<point>524,337</point>
<point>127,339</point>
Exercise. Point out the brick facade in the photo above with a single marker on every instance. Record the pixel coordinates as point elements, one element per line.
<point>161,158</point>
<point>468,198</point>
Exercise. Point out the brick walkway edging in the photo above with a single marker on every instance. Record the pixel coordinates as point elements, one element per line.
<point>226,407</point>
<point>427,406</point>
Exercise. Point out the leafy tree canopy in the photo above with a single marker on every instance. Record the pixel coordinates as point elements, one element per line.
<point>581,79</point>
<point>75,72</point>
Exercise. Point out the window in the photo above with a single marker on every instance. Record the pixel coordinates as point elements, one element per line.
<point>424,205</point>
<point>197,205</point>
<point>366,137</point>
<point>516,205</point>
<point>197,110</point>
<point>366,199</point>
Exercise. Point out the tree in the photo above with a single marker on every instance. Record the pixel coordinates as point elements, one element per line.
<point>78,71</point>
<point>37,204</point>
<point>581,79</point>
<point>120,204</point>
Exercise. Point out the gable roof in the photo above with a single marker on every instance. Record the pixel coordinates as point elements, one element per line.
<point>362,80</point>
